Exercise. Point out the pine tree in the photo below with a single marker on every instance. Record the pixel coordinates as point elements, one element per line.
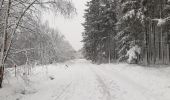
<point>139,27</point>
<point>157,14</point>
<point>130,28</point>
<point>108,20</point>
<point>99,30</point>
<point>91,29</point>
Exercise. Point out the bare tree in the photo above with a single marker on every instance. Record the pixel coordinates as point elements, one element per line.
<point>19,10</point>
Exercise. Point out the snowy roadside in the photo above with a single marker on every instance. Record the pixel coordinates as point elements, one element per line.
<point>81,80</point>
<point>16,87</point>
<point>155,80</point>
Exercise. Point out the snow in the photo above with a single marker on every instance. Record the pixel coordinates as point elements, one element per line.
<point>129,14</point>
<point>132,53</point>
<point>140,15</point>
<point>82,80</point>
<point>160,21</point>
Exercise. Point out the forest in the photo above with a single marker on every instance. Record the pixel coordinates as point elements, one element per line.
<point>84,49</point>
<point>25,40</point>
<point>133,31</point>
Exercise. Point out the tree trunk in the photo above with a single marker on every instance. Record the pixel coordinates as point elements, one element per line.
<point>1,75</point>
<point>146,46</point>
<point>4,43</point>
<point>154,44</point>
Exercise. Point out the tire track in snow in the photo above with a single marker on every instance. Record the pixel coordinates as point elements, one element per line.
<point>105,89</point>
<point>64,90</point>
<point>132,88</point>
<point>79,85</point>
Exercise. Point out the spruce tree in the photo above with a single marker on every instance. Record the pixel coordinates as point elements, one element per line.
<point>130,28</point>
<point>100,19</point>
<point>91,26</point>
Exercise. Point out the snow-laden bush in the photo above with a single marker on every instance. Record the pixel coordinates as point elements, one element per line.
<point>160,22</point>
<point>133,53</point>
<point>129,14</point>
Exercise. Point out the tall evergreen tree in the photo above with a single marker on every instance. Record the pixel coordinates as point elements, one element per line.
<point>130,28</point>
<point>91,29</point>
<point>99,30</point>
<point>141,32</point>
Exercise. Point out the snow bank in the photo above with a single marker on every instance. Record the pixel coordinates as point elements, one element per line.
<point>82,80</point>
<point>133,53</point>
<point>15,88</point>
<point>154,81</point>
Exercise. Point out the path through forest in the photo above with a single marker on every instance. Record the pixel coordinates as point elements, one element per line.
<point>82,80</point>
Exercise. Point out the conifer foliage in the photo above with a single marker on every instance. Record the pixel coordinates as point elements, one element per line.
<point>136,31</point>
<point>99,30</point>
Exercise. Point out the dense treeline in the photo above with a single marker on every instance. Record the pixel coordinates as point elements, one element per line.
<point>99,30</point>
<point>40,47</point>
<point>25,40</point>
<point>134,30</point>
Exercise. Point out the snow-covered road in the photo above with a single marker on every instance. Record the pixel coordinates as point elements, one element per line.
<point>82,80</point>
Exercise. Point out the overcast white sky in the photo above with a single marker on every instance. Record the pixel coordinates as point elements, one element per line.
<point>70,28</point>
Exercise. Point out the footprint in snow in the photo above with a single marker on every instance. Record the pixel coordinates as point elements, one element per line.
<point>51,78</point>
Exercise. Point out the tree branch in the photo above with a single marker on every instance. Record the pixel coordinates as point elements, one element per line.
<point>14,30</point>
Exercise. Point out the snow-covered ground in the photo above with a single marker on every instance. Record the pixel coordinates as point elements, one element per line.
<point>82,80</point>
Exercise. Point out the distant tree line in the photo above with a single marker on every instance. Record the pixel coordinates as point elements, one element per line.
<point>137,31</point>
